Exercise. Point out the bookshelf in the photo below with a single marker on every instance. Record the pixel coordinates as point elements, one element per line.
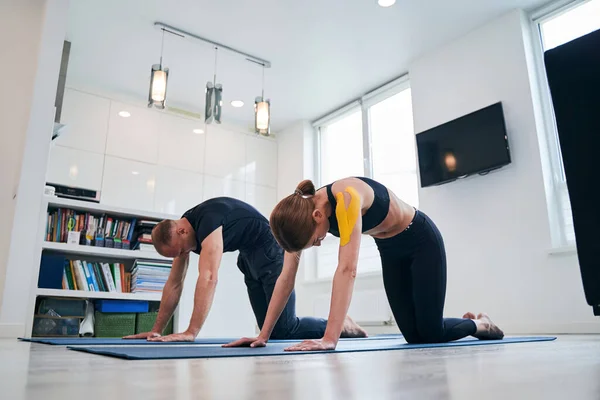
<point>90,252</point>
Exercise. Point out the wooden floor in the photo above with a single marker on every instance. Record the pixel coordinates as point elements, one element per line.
<point>568,368</point>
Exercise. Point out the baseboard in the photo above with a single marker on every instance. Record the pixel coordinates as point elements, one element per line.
<point>533,328</point>
<point>519,328</point>
<point>11,331</point>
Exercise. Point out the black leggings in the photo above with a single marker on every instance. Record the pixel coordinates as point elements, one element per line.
<point>261,268</point>
<point>414,276</point>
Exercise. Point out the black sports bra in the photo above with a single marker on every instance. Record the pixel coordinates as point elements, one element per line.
<point>374,215</point>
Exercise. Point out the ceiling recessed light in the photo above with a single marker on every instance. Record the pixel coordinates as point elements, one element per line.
<point>135,173</point>
<point>237,103</point>
<point>386,3</point>
<point>198,131</point>
<point>124,114</point>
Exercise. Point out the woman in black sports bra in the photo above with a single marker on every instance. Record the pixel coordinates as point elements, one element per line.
<point>412,255</point>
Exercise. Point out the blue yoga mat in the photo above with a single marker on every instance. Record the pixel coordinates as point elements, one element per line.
<point>277,349</point>
<point>74,341</point>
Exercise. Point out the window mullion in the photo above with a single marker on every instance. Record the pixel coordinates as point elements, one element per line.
<point>366,134</point>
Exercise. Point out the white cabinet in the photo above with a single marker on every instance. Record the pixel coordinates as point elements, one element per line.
<point>134,137</point>
<point>86,117</point>
<point>176,190</point>
<point>225,153</point>
<point>217,187</point>
<point>178,145</point>
<point>261,161</point>
<point>262,198</point>
<point>128,184</point>
<point>77,168</point>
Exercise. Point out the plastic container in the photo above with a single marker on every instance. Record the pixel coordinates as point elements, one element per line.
<point>114,324</point>
<point>62,306</point>
<point>45,326</point>
<point>145,322</point>
<point>121,306</point>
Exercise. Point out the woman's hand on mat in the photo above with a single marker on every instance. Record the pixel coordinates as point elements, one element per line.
<point>248,342</point>
<point>313,345</point>
<point>145,335</point>
<point>175,337</point>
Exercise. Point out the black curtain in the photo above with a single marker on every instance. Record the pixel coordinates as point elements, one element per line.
<point>573,71</point>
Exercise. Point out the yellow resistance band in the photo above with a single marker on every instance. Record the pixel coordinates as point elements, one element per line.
<point>347,217</point>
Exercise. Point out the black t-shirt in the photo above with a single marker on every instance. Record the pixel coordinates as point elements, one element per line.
<point>244,228</point>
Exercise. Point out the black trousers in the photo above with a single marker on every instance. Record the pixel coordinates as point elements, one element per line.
<point>414,277</point>
<point>261,268</point>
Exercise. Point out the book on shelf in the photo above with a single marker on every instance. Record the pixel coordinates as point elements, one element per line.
<point>149,276</point>
<point>93,229</point>
<point>95,277</point>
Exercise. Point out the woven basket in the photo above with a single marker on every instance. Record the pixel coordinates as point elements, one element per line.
<point>114,324</point>
<point>145,323</point>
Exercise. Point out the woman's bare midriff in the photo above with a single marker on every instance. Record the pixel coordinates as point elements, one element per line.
<point>398,219</point>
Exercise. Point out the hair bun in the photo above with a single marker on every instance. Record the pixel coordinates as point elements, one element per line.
<point>305,188</point>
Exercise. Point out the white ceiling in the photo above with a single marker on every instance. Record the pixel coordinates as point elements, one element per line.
<point>325,53</point>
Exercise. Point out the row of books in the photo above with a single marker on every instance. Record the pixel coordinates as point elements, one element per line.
<point>149,276</point>
<point>69,226</point>
<point>96,277</point>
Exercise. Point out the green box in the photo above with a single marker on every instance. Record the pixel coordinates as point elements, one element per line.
<point>145,323</point>
<point>114,324</point>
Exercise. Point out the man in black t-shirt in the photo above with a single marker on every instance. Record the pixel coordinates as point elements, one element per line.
<point>219,225</point>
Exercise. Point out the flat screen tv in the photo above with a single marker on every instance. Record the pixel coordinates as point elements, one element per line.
<point>472,144</point>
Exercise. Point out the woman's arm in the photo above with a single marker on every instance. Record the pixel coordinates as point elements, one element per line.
<point>281,294</point>
<point>350,224</point>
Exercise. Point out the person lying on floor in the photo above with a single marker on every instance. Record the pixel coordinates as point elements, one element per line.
<point>412,254</point>
<point>221,225</point>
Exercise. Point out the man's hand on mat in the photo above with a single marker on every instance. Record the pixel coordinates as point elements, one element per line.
<point>145,335</point>
<point>175,337</point>
<point>313,345</point>
<point>248,342</point>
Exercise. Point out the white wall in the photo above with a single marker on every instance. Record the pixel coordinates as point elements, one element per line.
<point>496,227</point>
<point>24,18</point>
<point>31,78</point>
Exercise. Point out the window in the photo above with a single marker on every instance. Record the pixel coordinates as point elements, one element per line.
<point>382,147</point>
<point>393,146</point>
<point>556,27</point>
<point>342,148</point>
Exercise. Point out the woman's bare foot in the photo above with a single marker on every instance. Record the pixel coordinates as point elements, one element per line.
<point>486,329</point>
<point>352,329</point>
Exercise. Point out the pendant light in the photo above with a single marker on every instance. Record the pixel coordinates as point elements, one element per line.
<point>213,98</point>
<point>262,111</point>
<point>158,81</point>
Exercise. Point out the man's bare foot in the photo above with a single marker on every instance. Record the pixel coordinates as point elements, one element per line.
<point>486,329</point>
<point>352,329</point>
<point>469,315</point>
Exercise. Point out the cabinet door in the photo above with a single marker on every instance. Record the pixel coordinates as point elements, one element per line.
<point>261,161</point>
<point>176,190</point>
<point>216,187</point>
<point>128,184</point>
<point>178,145</point>
<point>263,198</point>
<point>86,118</point>
<point>75,168</point>
<point>225,153</point>
<point>134,137</point>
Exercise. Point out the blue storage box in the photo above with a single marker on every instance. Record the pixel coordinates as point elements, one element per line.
<point>122,306</point>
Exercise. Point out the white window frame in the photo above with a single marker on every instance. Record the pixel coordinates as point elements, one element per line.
<point>363,103</point>
<point>557,184</point>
